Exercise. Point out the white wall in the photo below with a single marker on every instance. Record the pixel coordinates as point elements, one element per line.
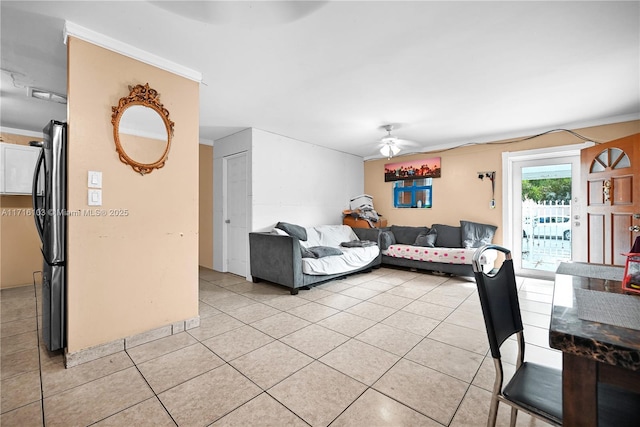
<point>291,181</point>
<point>301,183</point>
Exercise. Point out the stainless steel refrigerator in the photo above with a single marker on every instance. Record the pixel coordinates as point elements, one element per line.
<point>50,204</point>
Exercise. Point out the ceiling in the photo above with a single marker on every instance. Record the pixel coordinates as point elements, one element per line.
<point>332,73</point>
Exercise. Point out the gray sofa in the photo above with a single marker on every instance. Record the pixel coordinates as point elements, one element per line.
<point>425,248</point>
<point>278,259</point>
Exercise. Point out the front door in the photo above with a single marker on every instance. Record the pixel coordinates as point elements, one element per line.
<point>612,175</point>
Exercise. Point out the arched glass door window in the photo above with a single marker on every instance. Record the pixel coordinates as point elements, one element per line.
<point>611,158</point>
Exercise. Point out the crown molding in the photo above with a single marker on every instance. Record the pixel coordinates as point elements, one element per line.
<point>75,30</point>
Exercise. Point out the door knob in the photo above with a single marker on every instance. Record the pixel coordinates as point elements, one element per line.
<point>634,228</point>
<point>227,221</point>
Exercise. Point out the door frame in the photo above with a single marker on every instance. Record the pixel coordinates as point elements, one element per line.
<point>512,232</point>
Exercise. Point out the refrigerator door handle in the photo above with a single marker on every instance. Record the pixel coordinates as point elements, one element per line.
<point>34,194</point>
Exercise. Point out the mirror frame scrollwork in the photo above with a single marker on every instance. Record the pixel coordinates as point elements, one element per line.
<point>145,96</point>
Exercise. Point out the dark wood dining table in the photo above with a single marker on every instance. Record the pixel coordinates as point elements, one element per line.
<point>595,355</point>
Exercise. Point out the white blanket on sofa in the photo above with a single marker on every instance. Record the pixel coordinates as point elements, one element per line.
<point>332,235</point>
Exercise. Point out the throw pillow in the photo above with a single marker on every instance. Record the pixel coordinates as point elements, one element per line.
<point>427,240</point>
<point>406,235</point>
<point>475,235</point>
<point>387,239</point>
<point>323,251</point>
<point>306,253</point>
<point>448,236</point>
<point>358,244</point>
<point>293,230</point>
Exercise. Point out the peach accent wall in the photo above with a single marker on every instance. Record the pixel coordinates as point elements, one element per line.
<point>459,194</point>
<point>205,235</point>
<point>133,273</point>
<point>19,243</point>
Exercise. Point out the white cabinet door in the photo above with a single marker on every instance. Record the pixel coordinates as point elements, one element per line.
<point>17,164</point>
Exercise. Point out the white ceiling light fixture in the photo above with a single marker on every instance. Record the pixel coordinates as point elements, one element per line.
<point>389,147</point>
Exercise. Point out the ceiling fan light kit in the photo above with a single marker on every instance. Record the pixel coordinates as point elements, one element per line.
<point>389,149</point>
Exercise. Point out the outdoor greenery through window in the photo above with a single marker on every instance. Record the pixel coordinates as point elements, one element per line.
<point>412,194</point>
<point>547,190</point>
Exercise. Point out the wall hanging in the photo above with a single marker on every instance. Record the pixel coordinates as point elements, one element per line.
<point>412,169</point>
<point>142,130</point>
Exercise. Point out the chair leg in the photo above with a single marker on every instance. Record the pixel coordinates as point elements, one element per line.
<point>493,411</point>
<point>514,415</point>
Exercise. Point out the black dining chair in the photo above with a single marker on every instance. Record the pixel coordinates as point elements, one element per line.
<point>534,389</point>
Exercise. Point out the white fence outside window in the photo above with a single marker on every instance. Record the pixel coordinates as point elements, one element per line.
<point>546,234</point>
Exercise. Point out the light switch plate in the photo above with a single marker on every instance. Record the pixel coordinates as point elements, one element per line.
<point>95,198</point>
<point>94,179</point>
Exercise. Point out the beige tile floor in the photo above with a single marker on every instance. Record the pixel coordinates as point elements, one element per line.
<point>386,348</point>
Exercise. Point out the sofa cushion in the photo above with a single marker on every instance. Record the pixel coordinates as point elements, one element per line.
<point>306,253</point>
<point>357,244</point>
<point>475,235</point>
<point>448,236</point>
<point>441,255</point>
<point>406,235</point>
<point>320,251</point>
<point>427,239</point>
<point>386,239</point>
<point>293,230</point>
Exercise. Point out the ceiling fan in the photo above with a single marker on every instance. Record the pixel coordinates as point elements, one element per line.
<point>390,145</point>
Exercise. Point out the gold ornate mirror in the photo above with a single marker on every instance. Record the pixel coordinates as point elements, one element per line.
<point>141,129</point>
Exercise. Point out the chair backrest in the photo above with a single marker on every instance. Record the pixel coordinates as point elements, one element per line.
<point>499,299</point>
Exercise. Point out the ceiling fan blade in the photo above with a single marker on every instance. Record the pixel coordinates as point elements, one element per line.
<point>407,143</point>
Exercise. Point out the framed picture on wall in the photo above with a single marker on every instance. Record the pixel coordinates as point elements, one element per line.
<point>412,169</point>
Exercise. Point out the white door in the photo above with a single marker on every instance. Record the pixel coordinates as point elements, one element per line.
<point>235,214</point>
<point>544,232</point>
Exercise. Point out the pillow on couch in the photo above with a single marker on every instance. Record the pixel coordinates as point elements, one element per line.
<point>427,239</point>
<point>387,239</point>
<point>293,230</point>
<point>406,235</point>
<point>448,236</point>
<point>475,235</point>
<point>320,252</point>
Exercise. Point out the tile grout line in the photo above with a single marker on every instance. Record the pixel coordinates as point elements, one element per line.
<point>367,386</point>
<point>151,388</point>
